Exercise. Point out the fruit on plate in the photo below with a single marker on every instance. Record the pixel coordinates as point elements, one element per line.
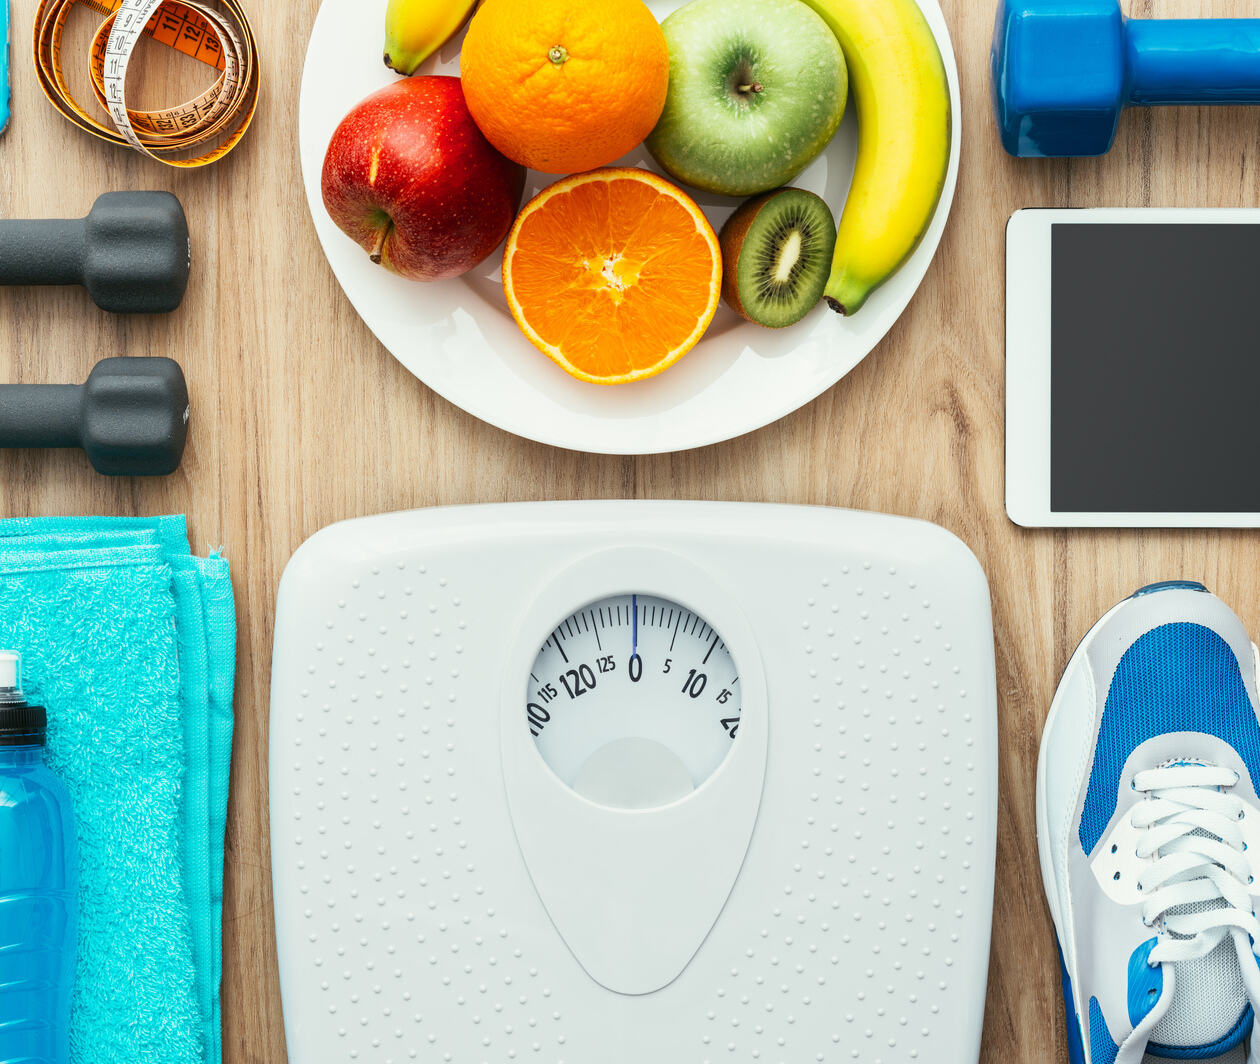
<point>903,109</point>
<point>756,90</point>
<point>409,177</point>
<point>415,29</point>
<point>613,274</point>
<point>565,85</point>
<point>776,256</point>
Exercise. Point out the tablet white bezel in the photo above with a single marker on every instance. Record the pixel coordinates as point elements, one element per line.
<point>1028,365</point>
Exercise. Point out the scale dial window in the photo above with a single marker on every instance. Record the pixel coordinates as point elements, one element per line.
<point>634,701</point>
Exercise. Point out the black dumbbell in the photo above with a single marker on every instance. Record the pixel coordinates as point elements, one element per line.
<point>131,417</point>
<point>131,252</point>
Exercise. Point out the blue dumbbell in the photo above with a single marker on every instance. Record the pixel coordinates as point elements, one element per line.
<point>1063,70</point>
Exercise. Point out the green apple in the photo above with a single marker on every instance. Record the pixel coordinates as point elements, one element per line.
<point>756,90</point>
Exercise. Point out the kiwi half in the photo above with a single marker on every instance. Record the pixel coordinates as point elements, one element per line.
<point>776,256</point>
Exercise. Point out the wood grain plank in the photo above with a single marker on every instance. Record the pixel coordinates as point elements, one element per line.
<point>302,419</point>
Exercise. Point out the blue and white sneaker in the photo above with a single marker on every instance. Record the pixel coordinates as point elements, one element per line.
<point>1148,824</point>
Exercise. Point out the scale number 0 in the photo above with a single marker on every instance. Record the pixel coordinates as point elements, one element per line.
<point>633,663</point>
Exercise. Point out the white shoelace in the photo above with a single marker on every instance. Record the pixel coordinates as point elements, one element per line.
<point>1191,823</point>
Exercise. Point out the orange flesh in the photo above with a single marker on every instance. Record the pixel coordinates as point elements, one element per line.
<point>613,277</point>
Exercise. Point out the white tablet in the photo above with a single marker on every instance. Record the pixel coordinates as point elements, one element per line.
<point>1133,368</point>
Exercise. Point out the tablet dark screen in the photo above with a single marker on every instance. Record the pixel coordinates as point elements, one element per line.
<point>1155,351</point>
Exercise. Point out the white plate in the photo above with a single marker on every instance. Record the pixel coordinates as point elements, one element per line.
<point>459,338</point>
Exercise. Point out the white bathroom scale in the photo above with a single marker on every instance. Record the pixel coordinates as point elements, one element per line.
<point>633,783</point>
<point>459,337</point>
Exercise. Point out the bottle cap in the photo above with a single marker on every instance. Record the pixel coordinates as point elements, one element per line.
<point>21,724</point>
<point>10,671</point>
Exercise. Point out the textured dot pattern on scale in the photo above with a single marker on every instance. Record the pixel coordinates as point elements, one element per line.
<point>426,942</point>
<point>891,772</point>
<point>367,889</point>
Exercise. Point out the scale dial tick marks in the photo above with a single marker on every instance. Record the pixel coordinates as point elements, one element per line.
<point>634,701</point>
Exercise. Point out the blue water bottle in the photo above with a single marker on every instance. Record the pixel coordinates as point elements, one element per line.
<point>39,895</point>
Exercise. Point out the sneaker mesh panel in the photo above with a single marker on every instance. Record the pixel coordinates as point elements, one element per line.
<point>1178,677</point>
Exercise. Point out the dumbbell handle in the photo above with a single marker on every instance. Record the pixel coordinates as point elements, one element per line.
<point>41,415</point>
<point>42,252</point>
<point>1193,61</point>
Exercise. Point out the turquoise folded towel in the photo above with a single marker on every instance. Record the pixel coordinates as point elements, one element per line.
<point>130,642</point>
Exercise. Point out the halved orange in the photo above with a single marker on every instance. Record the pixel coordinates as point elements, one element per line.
<point>613,274</point>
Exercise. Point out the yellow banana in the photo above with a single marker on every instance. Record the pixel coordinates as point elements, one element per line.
<point>903,110</point>
<point>415,29</point>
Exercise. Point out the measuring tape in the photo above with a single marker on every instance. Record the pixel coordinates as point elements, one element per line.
<point>209,126</point>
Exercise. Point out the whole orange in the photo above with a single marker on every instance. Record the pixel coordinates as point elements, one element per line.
<point>565,85</point>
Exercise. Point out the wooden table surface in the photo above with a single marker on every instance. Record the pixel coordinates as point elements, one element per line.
<point>301,419</point>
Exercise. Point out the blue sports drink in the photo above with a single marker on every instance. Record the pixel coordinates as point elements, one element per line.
<point>4,64</point>
<point>39,900</point>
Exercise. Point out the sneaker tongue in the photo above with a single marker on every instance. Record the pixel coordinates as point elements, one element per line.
<point>1237,1055</point>
<point>1208,1002</point>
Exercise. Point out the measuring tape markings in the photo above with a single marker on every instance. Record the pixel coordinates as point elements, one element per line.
<point>194,117</point>
<point>222,41</point>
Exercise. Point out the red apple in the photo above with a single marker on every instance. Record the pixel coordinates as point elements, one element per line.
<point>410,178</point>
